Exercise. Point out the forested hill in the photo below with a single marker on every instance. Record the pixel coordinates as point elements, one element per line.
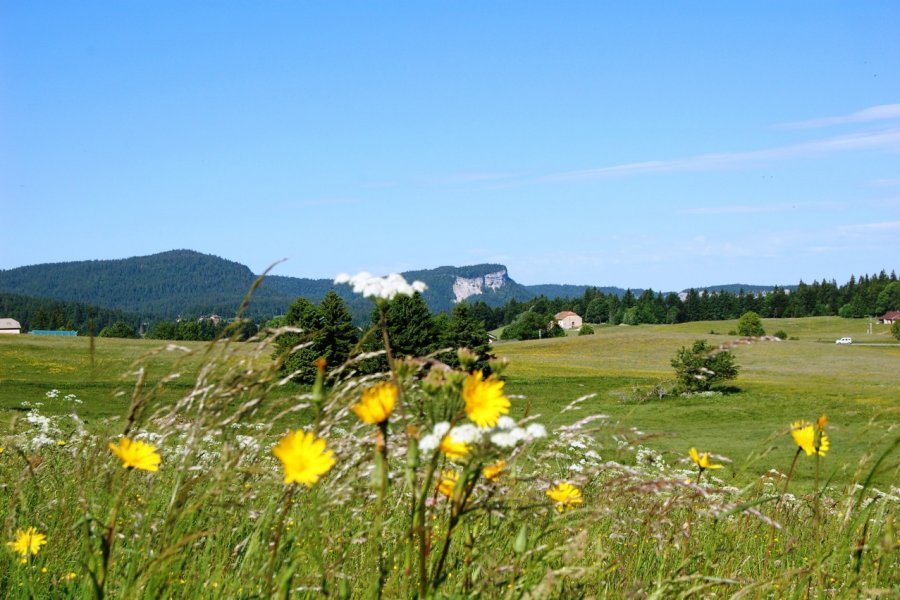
<point>189,283</point>
<point>166,284</point>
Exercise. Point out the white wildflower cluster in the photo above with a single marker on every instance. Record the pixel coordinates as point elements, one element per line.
<point>150,437</point>
<point>52,393</point>
<point>72,398</point>
<point>588,459</point>
<point>385,288</point>
<point>506,434</point>
<point>38,421</point>
<point>247,443</point>
<point>44,430</point>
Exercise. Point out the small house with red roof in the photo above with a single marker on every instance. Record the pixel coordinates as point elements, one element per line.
<point>568,320</point>
<point>890,317</point>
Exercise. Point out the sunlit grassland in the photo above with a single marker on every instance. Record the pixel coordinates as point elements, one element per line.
<point>217,520</point>
<point>857,387</point>
<point>100,372</point>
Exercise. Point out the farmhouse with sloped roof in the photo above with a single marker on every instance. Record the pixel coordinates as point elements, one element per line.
<point>890,317</point>
<point>10,326</point>
<point>568,320</point>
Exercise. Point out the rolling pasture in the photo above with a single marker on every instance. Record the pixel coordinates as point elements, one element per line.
<point>392,518</point>
<point>856,386</point>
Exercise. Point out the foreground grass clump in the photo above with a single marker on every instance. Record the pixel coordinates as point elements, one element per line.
<point>418,482</point>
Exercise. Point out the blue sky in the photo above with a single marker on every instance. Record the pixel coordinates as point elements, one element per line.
<point>641,144</point>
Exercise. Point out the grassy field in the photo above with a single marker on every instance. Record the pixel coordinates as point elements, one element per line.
<point>397,515</point>
<point>857,386</point>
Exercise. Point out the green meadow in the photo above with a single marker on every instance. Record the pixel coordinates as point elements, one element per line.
<point>856,386</point>
<point>589,498</point>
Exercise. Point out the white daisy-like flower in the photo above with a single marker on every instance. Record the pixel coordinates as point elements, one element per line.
<point>535,431</point>
<point>467,433</point>
<point>506,422</point>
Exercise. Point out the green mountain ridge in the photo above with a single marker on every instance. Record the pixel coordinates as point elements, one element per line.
<point>189,283</point>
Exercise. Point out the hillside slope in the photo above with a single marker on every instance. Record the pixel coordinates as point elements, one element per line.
<point>185,282</point>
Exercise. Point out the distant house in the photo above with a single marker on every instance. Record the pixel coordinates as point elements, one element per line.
<point>568,320</point>
<point>10,326</point>
<point>890,317</point>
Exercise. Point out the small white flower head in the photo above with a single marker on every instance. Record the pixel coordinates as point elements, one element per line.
<point>503,439</point>
<point>431,441</point>
<point>385,288</point>
<point>506,422</point>
<point>467,433</point>
<point>535,431</point>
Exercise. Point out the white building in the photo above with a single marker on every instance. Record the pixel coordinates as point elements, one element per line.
<point>568,320</point>
<point>10,326</point>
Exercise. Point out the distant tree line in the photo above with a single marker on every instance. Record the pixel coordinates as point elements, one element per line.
<point>45,313</point>
<point>202,329</point>
<point>866,296</point>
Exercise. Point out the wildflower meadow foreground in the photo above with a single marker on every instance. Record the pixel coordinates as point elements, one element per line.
<point>417,482</point>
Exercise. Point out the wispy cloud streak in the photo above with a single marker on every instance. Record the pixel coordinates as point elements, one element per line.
<point>747,209</point>
<point>873,113</point>
<point>884,139</point>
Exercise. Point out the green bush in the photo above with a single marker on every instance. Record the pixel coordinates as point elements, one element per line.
<point>750,325</point>
<point>586,330</point>
<point>119,329</point>
<point>699,367</point>
<point>781,334</point>
<point>895,330</point>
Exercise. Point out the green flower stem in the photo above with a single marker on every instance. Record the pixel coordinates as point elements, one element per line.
<point>457,506</point>
<point>106,545</point>
<point>381,487</point>
<point>419,520</point>
<point>279,531</point>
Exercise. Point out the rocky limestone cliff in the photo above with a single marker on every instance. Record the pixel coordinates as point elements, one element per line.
<point>464,287</point>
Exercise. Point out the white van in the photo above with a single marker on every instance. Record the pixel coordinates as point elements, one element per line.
<point>844,340</point>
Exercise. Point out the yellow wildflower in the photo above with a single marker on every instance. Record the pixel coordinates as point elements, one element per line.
<point>27,542</point>
<point>377,403</point>
<point>702,461</point>
<point>136,454</point>
<point>303,457</point>
<point>493,471</point>
<point>454,450</point>
<point>484,398</point>
<point>447,482</point>
<point>805,437</point>
<point>565,495</point>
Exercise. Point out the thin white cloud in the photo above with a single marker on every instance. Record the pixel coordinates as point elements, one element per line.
<point>885,182</point>
<point>465,178</point>
<point>870,228</point>
<point>873,113</point>
<point>760,208</point>
<point>315,202</point>
<point>883,139</point>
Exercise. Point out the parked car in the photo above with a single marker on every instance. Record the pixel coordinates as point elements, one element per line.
<point>844,340</point>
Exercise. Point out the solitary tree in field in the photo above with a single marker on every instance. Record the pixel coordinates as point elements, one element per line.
<point>701,366</point>
<point>750,324</point>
